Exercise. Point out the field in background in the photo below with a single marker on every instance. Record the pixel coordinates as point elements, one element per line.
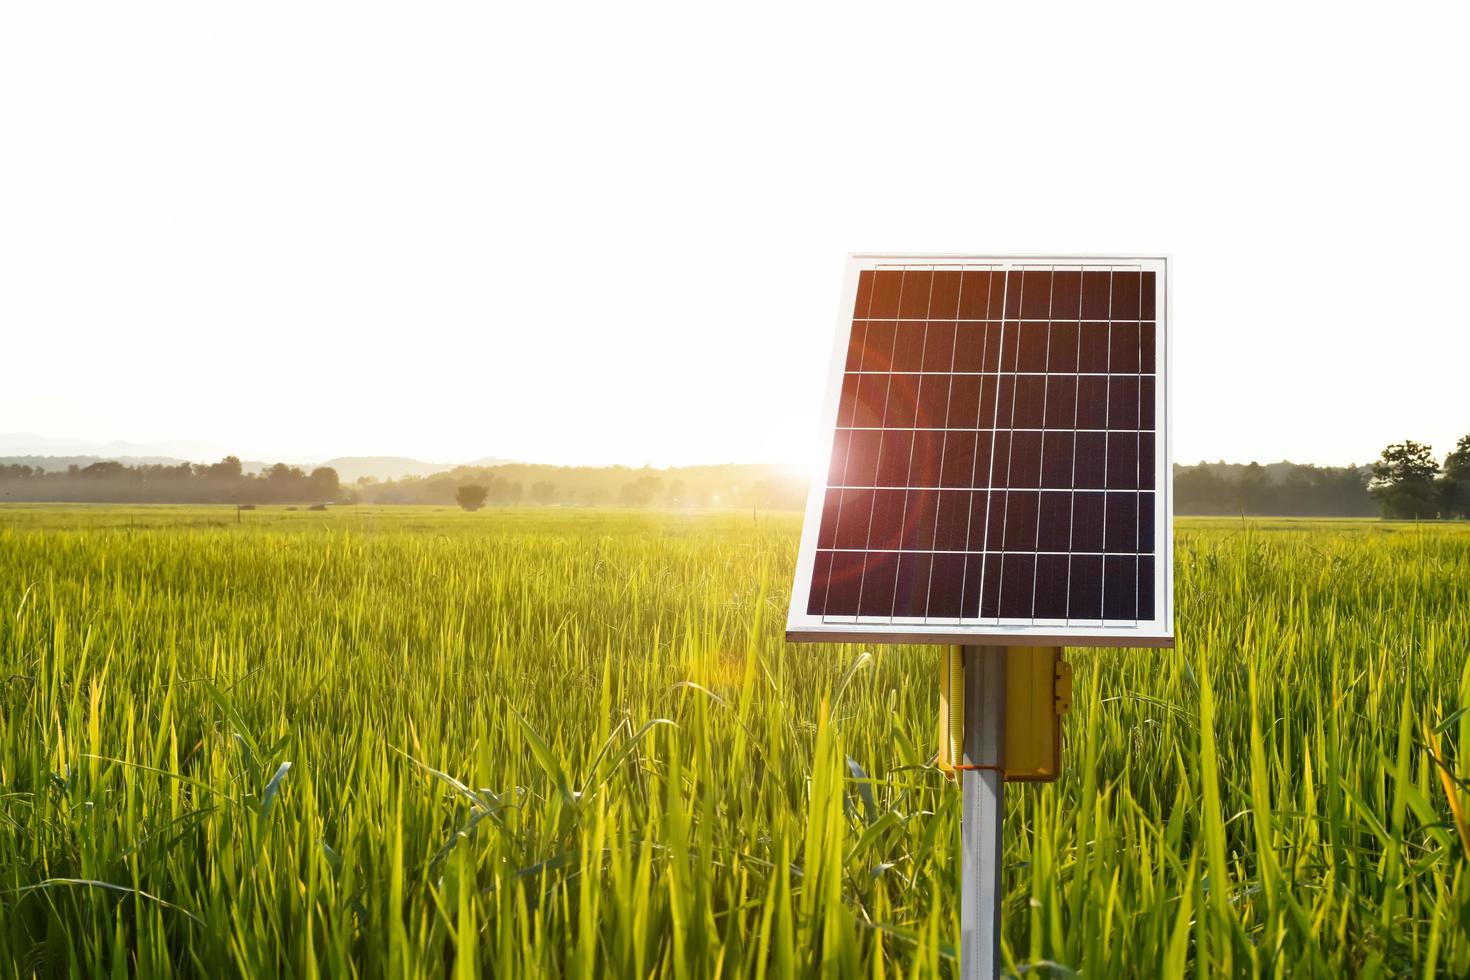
<point>551,742</point>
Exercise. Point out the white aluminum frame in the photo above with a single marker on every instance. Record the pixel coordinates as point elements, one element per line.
<point>1158,632</point>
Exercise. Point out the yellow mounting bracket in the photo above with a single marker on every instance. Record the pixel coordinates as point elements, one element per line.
<point>1038,693</point>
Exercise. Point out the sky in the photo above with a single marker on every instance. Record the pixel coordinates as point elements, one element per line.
<point>617,233</point>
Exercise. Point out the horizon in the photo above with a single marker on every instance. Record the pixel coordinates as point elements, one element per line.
<point>149,451</point>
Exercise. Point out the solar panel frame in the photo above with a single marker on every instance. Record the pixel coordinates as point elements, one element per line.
<point>803,625</point>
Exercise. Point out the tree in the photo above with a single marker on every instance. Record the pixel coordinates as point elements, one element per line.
<point>104,468</point>
<point>325,484</point>
<point>640,492</point>
<point>1403,481</point>
<point>1251,489</point>
<point>1200,490</point>
<point>543,492</point>
<point>228,468</point>
<point>1454,486</point>
<point>471,496</point>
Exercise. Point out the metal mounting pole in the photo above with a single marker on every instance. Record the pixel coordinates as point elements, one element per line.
<point>983,814</point>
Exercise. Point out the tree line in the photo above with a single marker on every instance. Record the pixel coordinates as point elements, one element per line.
<point>1406,482</point>
<point>225,482</point>
<point>1277,490</point>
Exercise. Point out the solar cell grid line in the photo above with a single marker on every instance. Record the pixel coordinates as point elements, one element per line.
<point>1004,428</point>
<point>888,391</point>
<point>990,477</point>
<point>1005,518</point>
<point>909,469</point>
<point>943,551</point>
<point>1072,483</point>
<point>1013,560</point>
<point>1005,374</point>
<point>871,348</point>
<point>847,459</point>
<point>1138,463</point>
<point>1045,387</point>
<point>1102,580</point>
<point>975,460</point>
<point>943,443</point>
<point>876,581</point>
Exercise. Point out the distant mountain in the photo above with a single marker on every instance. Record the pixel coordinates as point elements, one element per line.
<point>30,444</point>
<point>58,464</point>
<point>56,454</point>
<point>350,469</point>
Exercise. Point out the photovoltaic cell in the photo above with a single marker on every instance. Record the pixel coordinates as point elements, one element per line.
<point>995,451</point>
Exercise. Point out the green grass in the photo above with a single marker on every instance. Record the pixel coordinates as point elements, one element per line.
<point>409,741</point>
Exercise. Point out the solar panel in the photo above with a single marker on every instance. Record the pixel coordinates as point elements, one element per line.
<point>997,456</point>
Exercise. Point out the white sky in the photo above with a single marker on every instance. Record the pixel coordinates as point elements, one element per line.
<point>617,233</point>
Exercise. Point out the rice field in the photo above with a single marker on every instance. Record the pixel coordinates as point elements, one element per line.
<point>543,743</point>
